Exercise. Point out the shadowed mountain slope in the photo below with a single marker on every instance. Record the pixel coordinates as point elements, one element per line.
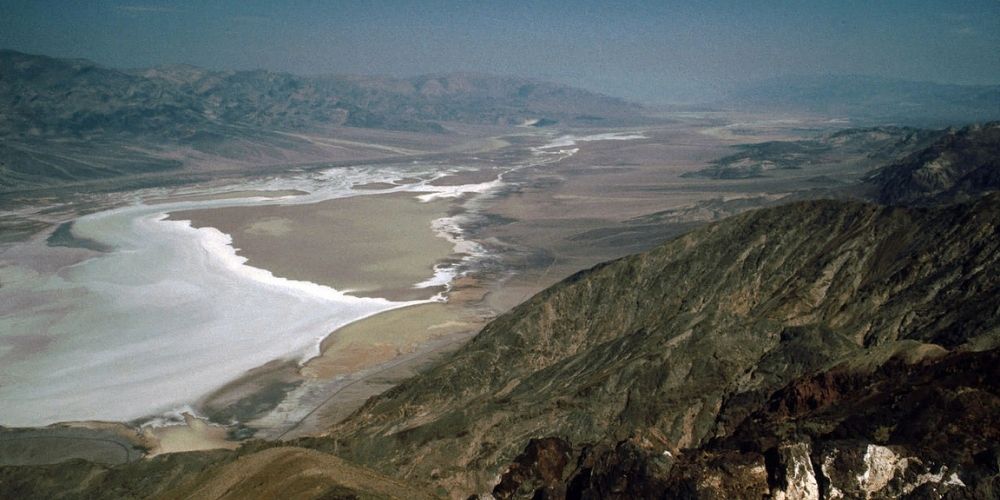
<point>859,145</point>
<point>960,165</point>
<point>659,344</point>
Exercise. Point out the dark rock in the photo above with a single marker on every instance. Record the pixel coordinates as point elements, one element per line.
<point>538,472</point>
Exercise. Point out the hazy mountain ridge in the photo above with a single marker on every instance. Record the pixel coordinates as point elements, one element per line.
<point>43,95</point>
<point>960,165</point>
<point>65,120</point>
<point>51,97</point>
<point>872,99</point>
<point>856,144</point>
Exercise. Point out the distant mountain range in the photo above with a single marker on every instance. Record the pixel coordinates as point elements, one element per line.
<point>70,120</point>
<point>871,99</point>
<point>44,95</point>
<point>849,145</point>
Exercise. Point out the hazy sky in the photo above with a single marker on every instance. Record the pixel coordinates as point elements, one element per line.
<point>653,51</point>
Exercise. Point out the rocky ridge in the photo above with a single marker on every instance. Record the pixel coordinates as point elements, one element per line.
<point>873,144</point>
<point>960,165</point>
<point>680,345</point>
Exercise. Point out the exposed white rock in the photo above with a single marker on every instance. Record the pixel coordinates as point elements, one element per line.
<point>939,478</point>
<point>833,492</point>
<point>954,480</point>
<point>881,465</point>
<point>799,473</point>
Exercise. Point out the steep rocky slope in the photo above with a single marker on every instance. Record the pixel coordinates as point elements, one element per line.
<point>960,165</point>
<point>920,425</point>
<point>681,344</point>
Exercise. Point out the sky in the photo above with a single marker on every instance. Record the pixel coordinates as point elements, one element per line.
<point>650,51</point>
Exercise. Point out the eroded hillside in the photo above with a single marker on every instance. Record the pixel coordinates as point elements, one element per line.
<point>663,344</point>
<point>960,165</point>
